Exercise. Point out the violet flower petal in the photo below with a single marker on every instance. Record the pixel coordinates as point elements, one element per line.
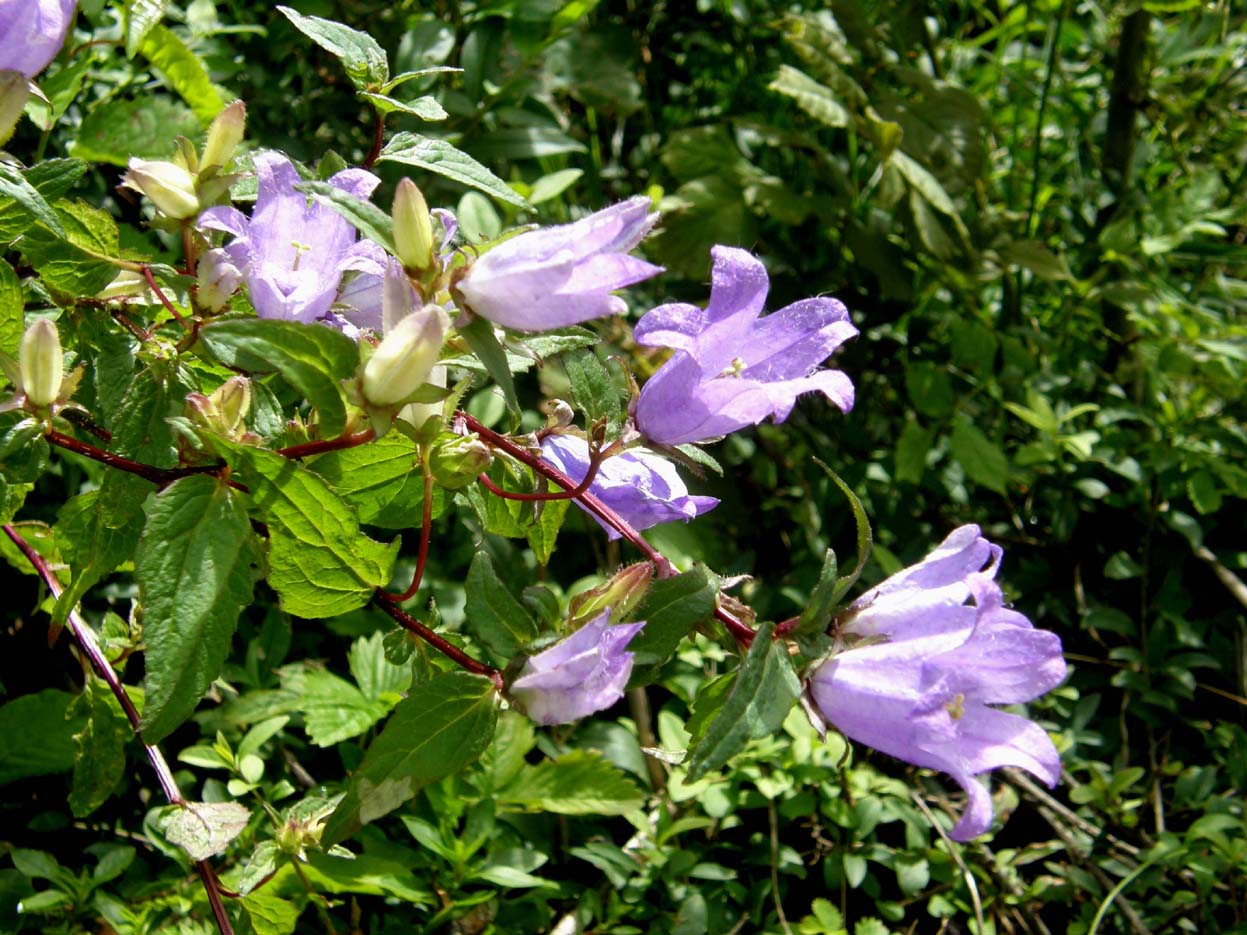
<point>641,487</point>
<point>32,32</point>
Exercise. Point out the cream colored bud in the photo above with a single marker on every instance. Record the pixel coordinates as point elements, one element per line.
<point>42,363</point>
<point>224,136</point>
<point>14,89</point>
<point>413,227</point>
<point>405,357</point>
<point>233,402</point>
<point>169,186</point>
<point>416,414</point>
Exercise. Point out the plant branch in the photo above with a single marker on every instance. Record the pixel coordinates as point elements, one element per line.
<point>378,138</point>
<point>446,648</point>
<point>157,475</point>
<point>164,299</point>
<point>307,449</point>
<point>85,637</point>
<point>595,461</point>
<point>426,531</point>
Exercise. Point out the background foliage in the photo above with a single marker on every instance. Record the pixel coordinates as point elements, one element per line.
<point>1034,212</point>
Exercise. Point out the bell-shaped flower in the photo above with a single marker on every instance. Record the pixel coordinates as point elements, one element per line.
<point>584,673</point>
<point>32,32</point>
<point>732,368</point>
<point>561,275</point>
<point>292,250</point>
<point>921,669</point>
<point>641,487</point>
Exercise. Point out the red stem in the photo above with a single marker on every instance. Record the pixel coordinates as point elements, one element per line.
<point>164,300</point>
<point>159,476</point>
<point>426,530</point>
<point>447,649</point>
<point>85,637</point>
<point>595,460</point>
<point>378,138</point>
<point>662,564</point>
<point>307,449</point>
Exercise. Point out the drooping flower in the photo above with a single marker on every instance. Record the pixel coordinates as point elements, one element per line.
<point>640,486</point>
<point>562,275</point>
<point>926,666</point>
<point>32,32</point>
<point>582,674</point>
<point>292,250</point>
<point>731,368</point>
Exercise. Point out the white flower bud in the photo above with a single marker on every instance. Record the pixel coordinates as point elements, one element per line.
<point>405,357</point>
<point>169,186</point>
<point>413,228</point>
<point>42,363</point>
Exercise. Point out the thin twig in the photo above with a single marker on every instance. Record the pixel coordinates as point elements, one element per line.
<point>955,852</point>
<point>157,475</point>
<point>378,138</point>
<point>426,532</point>
<point>164,299</point>
<point>307,449</point>
<point>446,648</point>
<point>85,637</point>
<point>773,819</point>
<point>595,461</point>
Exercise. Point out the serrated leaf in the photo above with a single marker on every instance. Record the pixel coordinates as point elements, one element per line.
<point>441,157</point>
<point>333,709</point>
<point>364,60</point>
<point>320,564</point>
<point>816,99</point>
<point>52,179</point>
<point>14,185</point>
<point>99,749</point>
<point>912,447</point>
<point>205,829</point>
<point>72,263</point>
<point>492,614</point>
<point>146,127</point>
<point>581,782</point>
<point>544,531</point>
<point>593,391</point>
<point>183,71</point>
<point>12,311</point>
<point>763,692</point>
<point>480,336</point>
<point>371,221</point>
<point>672,607</point>
<point>375,675</point>
<point>981,458</point>
<point>426,108</point>
<point>312,359</point>
<point>95,540</point>
<point>381,480</point>
<point>141,17</point>
<point>261,864</point>
<point>441,727</point>
<point>193,569</point>
<point>269,914</point>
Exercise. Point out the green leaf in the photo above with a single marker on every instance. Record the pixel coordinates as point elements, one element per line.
<point>14,185</point>
<point>581,782</point>
<point>492,614</point>
<point>95,541</point>
<point>61,88</point>
<point>333,709</point>
<point>980,457</point>
<point>364,60</point>
<point>12,311</point>
<point>377,677</point>
<point>141,16</point>
<point>312,359</point>
<point>381,480</point>
<point>480,336</point>
<point>763,692</point>
<point>146,127</point>
<point>320,564</point>
<point>551,186</point>
<point>593,391</point>
<point>912,447</point>
<point>193,567</point>
<point>371,221</point>
<point>814,98</point>
<point>817,612</point>
<point>184,72</point>
<point>426,108</point>
<point>1204,492</point>
<point>530,142</point>
<point>52,179</point>
<point>72,264</point>
<point>204,829</point>
<point>864,538</point>
<point>441,157</point>
<point>672,607</point>
<point>544,531</point>
<point>100,748</point>
<point>930,388</point>
<point>269,914</point>
<point>441,727</point>
<point>1039,259</point>
<point>35,737</point>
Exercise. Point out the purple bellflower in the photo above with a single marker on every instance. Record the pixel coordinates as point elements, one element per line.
<point>562,275</point>
<point>641,487</point>
<point>293,251</point>
<point>731,368</point>
<point>32,32</point>
<point>925,666</point>
<point>584,673</point>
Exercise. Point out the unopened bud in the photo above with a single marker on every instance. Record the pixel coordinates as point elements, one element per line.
<point>621,594</point>
<point>233,402</point>
<point>42,363</point>
<point>405,357</point>
<point>457,460</point>
<point>169,186</point>
<point>224,136</point>
<point>416,414</point>
<point>413,228</point>
<point>14,89</point>
<point>219,279</point>
<point>128,284</point>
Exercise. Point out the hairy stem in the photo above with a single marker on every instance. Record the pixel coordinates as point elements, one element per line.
<point>164,299</point>
<point>85,638</point>
<point>446,648</point>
